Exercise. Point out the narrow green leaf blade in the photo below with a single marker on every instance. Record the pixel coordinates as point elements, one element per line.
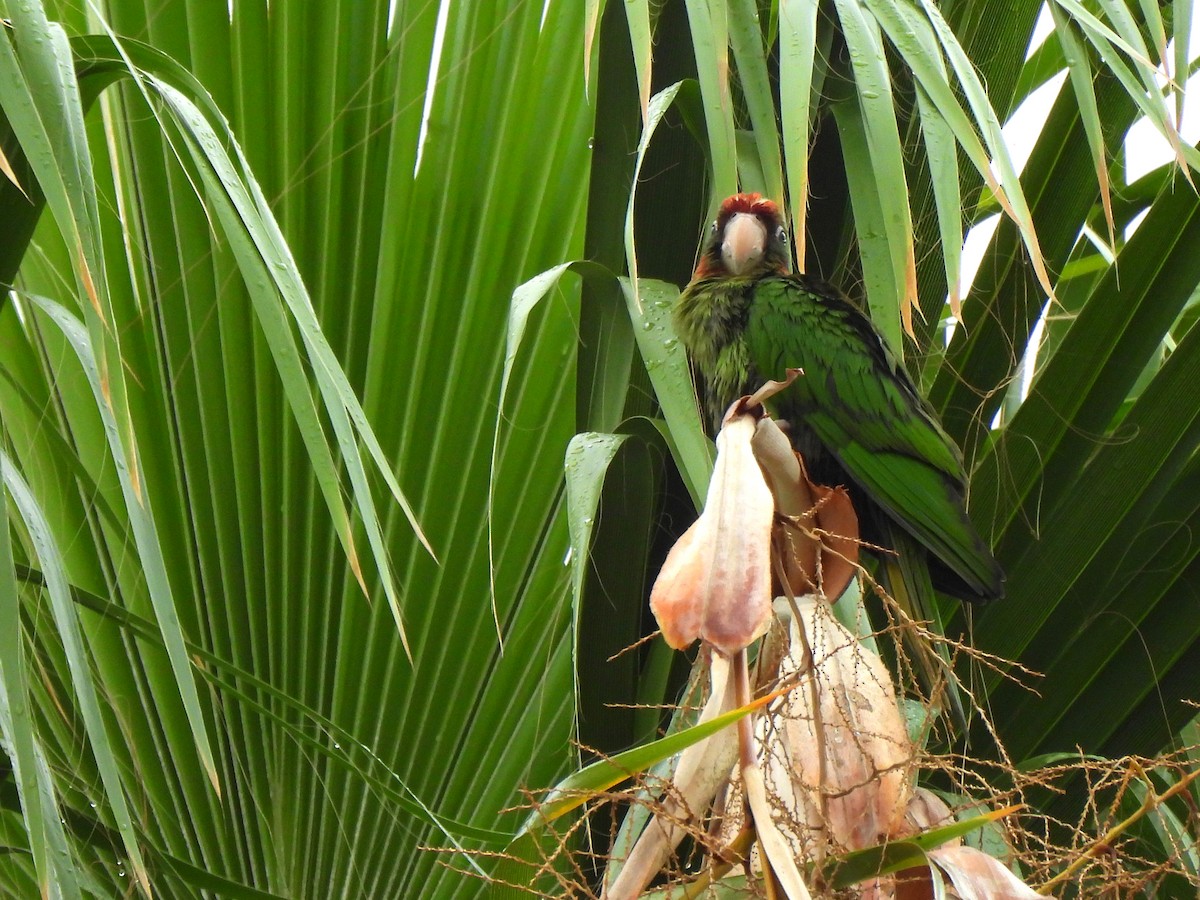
<point>746,38</point>
<point>797,46</point>
<point>710,39</point>
<point>667,364</point>
<point>47,838</point>
<point>79,661</point>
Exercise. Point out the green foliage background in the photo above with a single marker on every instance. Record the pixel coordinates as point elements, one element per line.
<point>208,581</point>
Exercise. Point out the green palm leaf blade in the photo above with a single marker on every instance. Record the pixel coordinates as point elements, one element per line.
<point>47,841</point>
<point>231,463</point>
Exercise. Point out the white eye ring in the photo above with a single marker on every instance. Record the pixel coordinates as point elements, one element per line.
<point>781,235</point>
<point>713,227</point>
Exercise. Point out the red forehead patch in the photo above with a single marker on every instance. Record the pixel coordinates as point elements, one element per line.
<point>748,203</point>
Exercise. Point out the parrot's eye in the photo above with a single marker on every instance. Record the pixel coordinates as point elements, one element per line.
<point>781,235</point>
<point>713,227</point>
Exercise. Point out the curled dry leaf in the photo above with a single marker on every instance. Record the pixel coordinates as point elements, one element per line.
<point>796,546</point>
<point>703,768</point>
<point>772,842</point>
<point>771,388</point>
<point>716,581</point>
<point>816,535</point>
<point>977,876</point>
<point>973,874</point>
<point>838,755</point>
<point>927,810</point>
<point>838,524</point>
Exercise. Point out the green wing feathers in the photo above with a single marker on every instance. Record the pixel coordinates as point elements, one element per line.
<point>931,509</point>
<point>862,408</point>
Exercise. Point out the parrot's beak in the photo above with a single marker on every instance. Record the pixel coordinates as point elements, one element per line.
<point>744,243</point>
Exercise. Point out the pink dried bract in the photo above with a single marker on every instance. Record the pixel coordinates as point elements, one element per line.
<point>716,581</point>
<point>841,760</point>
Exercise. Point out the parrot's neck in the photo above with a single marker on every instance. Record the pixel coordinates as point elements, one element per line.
<point>710,319</point>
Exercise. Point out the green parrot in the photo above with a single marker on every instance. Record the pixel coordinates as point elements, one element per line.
<point>855,414</point>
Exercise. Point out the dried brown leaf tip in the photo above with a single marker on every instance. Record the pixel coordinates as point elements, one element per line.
<point>7,170</point>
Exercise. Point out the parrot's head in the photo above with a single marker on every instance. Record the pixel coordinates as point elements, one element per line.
<point>747,240</point>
